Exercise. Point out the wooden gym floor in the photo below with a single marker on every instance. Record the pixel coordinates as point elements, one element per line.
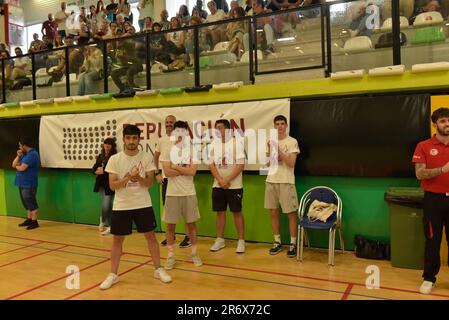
<point>33,266</point>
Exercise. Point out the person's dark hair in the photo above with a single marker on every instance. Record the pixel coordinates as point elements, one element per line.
<point>131,130</point>
<point>154,25</point>
<point>280,118</point>
<point>26,141</point>
<point>440,113</point>
<point>224,122</point>
<point>111,142</point>
<point>181,124</point>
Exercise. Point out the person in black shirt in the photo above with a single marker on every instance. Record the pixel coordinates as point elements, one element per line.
<point>102,183</point>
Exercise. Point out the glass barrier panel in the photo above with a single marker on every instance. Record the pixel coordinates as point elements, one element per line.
<point>19,84</point>
<point>424,32</point>
<point>126,60</point>
<point>223,57</point>
<point>172,61</point>
<point>289,40</point>
<point>50,74</point>
<point>356,35</point>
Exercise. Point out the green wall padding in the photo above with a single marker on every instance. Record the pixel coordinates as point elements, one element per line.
<point>2,193</point>
<point>66,195</point>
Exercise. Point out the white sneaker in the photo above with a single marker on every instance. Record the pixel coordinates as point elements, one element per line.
<point>240,246</point>
<point>197,260</point>
<point>106,231</point>
<point>162,275</point>
<point>169,263</point>
<point>218,245</point>
<point>101,226</point>
<point>426,287</point>
<point>110,280</point>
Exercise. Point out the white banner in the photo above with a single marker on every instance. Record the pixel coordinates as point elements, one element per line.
<point>74,141</point>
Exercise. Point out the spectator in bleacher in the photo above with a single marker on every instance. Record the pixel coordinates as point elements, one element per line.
<point>196,13</point>
<point>101,31</point>
<point>221,5</point>
<point>148,24</point>
<point>76,56</point>
<point>235,32</point>
<point>359,17</point>
<point>183,15</point>
<point>59,42</point>
<point>120,19</point>
<point>61,19</point>
<point>215,32</point>
<point>83,16</point>
<point>92,19</point>
<point>111,10</point>
<point>22,65</point>
<point>124,8</point>
<point>234,4</point>
<point>264,23</point>
<point>199,8</point>
<point>46,44</point>
<point>100,12</point>
<point>50,27</point>
<point>84,36</point>
<point>146,9</point>
<point>247,6</point>
<point>130,61</point>
<point>36,44</point>
<point>190,44</point>
<point>164,23</point>
<point>90,71</point>
<point>176,38</point>
<point>3,47</point>
<point>159,46</point>
<point>113,31</point>
<point>8,68</point>
<point>276,5</point>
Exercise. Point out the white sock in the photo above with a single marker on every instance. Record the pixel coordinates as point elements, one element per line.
<point>293,240</point>
<point>277,238</point>
<point>242,240</point>
<point>220,239</point>
<point>193,250</point>
<point>171,252</point>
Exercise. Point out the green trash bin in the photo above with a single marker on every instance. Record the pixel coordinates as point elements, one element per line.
<point>406,227</point>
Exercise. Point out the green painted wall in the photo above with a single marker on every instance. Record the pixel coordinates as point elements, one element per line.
<point>2,193</point>
<point>66,195</point>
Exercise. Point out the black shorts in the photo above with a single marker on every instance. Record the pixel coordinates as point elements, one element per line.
<point>221,198</point>
<point>122,221</point>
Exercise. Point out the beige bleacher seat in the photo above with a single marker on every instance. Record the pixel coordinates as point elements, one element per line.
<point>428,18</point>
<point>359,43</point>
<point>221,46</point>
<point>388,24</point>
<point>245,56</point>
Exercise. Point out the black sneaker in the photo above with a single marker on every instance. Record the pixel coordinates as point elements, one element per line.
<point>26,223</point>
<point>185,243</point>
<point>277,247</point>
<point>164,242</point>
<point>291,251</point>
<point>33,225</point>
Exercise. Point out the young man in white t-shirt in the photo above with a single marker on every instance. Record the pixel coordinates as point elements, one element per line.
<point>226,165</point>
<point>181,200</point>
<point>61,18</point>
<point>130,176</point>
<point>280,187</point>
<point>163,144</point>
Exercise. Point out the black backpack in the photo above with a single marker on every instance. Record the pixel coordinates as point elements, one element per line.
<point>371,249</point>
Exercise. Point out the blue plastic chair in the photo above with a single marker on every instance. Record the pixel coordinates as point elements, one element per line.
<point>324,194</point>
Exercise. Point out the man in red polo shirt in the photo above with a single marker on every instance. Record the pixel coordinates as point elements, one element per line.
<point>431,160</point>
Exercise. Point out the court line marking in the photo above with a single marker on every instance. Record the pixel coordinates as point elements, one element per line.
<point>347,292</point>
<point>30,257</point>
<point>22,247</point>
<point>141,264</point>
<point>244,269</point>
<point>97,284</point>
<point>52,281</point>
